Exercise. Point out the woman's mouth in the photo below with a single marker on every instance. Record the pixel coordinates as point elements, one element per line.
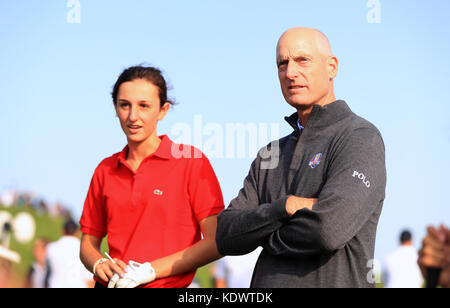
<point>134,128</point>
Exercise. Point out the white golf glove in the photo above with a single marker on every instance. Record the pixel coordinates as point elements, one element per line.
<point>113,281</point>
<point>137,274</point>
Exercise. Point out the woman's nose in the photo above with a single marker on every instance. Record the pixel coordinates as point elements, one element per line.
<point>133,115</point>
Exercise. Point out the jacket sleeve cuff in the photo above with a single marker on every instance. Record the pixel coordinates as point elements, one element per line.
<point>278,209</point>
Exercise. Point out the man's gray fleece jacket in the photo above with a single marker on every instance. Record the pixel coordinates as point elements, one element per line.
<point>338,158</point>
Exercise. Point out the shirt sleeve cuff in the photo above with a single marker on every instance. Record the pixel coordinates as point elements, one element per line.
<point>210,212</point>
<point>93,232</point>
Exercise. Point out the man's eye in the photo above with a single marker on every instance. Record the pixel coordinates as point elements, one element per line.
<point>282,66</point>
<point>302,60</point>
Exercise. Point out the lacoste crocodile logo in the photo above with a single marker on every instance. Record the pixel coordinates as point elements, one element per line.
<point>157,192</point>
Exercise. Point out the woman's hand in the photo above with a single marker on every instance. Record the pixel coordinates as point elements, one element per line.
<point>92,259</point>
<point>105,269</point>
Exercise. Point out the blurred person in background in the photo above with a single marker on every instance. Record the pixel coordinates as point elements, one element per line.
<point>435,253</point>
<point>401,270</point>
<point>5,273</point>
<point>38,273</point>
<point>8,198</point>
<point>236,271</point>
<point>8,278</point>
<point>65,269</point>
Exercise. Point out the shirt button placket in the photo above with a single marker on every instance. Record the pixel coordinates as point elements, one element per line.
<point>137,193</point>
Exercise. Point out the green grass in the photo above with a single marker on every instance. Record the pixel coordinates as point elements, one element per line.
<point>204,277</point>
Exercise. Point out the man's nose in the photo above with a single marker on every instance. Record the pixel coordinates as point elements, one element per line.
<point>291,70</point>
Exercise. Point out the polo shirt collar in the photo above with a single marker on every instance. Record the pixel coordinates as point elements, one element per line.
<point>293,121</point>
<point>300,127</point>
<point>164,150</point>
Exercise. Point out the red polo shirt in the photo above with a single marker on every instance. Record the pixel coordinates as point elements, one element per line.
<point>156,211</point>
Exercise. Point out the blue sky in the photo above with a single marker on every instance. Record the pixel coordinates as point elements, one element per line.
<point>57,121</point>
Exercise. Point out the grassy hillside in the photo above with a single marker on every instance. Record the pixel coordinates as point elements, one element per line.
<point>46,226</point>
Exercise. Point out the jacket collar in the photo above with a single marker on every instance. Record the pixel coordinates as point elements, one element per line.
<point>322,116</point>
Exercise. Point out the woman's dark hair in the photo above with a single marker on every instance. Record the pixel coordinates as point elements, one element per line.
<point>151,74</point>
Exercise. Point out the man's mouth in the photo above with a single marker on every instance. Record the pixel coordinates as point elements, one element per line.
<point>296,87</point>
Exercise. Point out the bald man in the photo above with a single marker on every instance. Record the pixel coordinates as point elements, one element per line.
<point>316,212</point>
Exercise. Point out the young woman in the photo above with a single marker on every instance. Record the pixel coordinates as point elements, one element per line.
<point>153,204</point>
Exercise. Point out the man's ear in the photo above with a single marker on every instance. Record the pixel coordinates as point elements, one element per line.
<point>332,66</point>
